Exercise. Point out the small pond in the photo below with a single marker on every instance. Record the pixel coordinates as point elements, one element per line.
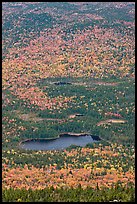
<point>58,143</point>
<point>61,83</point>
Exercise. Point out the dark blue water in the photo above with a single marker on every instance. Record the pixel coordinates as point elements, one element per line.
<point>57,144</point>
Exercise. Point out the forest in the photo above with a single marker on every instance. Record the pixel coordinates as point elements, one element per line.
<point>117,194</point>
<point>62,74</point>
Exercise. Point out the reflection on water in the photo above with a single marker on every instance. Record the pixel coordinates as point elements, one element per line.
<point>57,144</point>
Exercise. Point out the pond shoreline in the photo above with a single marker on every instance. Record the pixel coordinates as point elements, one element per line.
<point>62,135</point>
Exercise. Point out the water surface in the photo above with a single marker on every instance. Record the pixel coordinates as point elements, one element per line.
<point>57,144</point>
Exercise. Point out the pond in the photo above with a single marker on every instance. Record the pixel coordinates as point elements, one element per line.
<point>58,143</point>
<point>62,83</point>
